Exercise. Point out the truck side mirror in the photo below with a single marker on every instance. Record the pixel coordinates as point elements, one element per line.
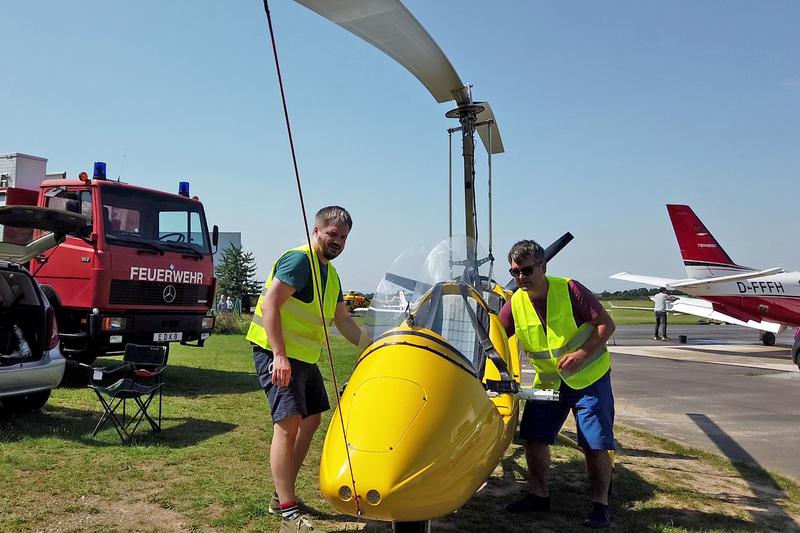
<point>215,237</point>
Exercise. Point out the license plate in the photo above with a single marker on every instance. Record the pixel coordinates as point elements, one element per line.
<point>167,336</point>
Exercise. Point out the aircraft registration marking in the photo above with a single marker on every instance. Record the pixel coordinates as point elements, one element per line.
<point>760,287</point>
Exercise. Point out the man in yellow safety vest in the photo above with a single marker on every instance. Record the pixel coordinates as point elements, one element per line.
<point>288,336</point>
<point>563,329</point>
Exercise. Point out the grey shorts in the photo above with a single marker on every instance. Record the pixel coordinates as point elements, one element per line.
<point>304,396</point>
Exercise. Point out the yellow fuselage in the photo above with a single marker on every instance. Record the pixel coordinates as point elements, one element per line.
<point>422,433</point>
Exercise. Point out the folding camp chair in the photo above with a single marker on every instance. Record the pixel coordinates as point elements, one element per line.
<point>138,378</point>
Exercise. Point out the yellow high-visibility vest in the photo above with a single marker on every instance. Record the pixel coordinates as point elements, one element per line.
<point>303,330</point>
<point>546,346</point>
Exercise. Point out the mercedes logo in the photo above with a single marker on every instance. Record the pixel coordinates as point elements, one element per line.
<point>169,293</point>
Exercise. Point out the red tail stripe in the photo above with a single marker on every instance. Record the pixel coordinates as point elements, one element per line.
<point>694,240</point>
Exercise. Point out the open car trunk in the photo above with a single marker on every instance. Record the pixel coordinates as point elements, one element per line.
<point>22,317</point>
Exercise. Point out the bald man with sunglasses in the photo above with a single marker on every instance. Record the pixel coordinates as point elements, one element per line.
<point>563,329</point>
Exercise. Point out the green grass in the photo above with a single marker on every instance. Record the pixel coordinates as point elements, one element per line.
<point>634,316</point>
<point>208,468</point>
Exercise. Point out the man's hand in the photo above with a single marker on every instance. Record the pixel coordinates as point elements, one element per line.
<point>572,361</point>
<point>281,370</point>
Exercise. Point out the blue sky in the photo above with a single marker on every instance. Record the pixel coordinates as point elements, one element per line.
<point>608,111</point>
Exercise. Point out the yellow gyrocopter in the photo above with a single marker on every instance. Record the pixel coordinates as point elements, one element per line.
<point>431,405</point>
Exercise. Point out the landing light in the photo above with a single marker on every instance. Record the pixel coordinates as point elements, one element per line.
<point>374,497</point>
<point>345,493</point>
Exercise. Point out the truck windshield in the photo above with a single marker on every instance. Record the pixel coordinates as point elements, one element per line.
<point>173,223</point>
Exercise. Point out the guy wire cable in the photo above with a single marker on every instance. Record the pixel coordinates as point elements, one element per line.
<point>317,282</point>
<point>450,184</point>
<point>450,199</point>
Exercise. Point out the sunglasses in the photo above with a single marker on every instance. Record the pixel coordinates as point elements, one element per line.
<point>524,271</point>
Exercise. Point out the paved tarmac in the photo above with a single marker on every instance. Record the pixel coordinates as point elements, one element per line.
<point>722,391</point>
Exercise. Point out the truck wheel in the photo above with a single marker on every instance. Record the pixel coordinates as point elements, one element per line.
<point>26,402</point>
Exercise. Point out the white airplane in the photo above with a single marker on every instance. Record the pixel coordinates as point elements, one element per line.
<point>766,300</point>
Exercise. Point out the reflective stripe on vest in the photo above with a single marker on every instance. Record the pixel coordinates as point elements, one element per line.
<point>562,336</point>
<point>303,332</point>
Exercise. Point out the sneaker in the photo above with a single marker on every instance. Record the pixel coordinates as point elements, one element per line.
<point>275,505</point>
<point>530,503</point>
<point>599,517</point>
<point>665,338</point>
<point>298,524</point>
<point>656,338</point>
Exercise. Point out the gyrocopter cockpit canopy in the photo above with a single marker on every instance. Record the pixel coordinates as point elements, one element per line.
<point>440,290</point>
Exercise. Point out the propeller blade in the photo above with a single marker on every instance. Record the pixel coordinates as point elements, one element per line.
<point>408,283</point>
<point>483,131</point>
<point>557,246</point>
<point>390,27</point>
<point>549,253</point>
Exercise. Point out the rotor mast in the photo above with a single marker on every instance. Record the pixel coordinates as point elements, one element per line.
<point>467,114</point>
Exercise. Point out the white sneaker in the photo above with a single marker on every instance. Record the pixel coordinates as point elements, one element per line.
<point>298,524</point>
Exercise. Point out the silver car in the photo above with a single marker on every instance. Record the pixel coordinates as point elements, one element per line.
<point>31,363</point>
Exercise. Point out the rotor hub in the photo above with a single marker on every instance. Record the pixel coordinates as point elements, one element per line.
<point>465,110</point>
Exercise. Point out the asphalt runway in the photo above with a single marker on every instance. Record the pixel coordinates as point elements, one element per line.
<point>722,391</point>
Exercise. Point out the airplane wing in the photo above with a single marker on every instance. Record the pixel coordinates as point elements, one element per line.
<point>630,307</point>
<point>705,309</point>
<point>648,280</point>
<point>721,279</point>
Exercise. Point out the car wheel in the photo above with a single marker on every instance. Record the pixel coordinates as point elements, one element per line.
<point>796,352</point>
<point>26,402</point>
<point>86,357</point>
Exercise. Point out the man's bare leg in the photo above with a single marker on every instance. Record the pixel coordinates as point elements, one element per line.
<point>598,464</point>
<point>305,433</point>
<point>537,455</point>
<point>281,457</point>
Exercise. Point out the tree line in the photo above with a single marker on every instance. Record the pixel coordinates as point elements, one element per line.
<point>631,294</point>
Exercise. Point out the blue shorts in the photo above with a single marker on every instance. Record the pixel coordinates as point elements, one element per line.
<point>593,408</point>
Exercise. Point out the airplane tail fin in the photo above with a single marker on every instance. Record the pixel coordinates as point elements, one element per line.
<point>703,256</point>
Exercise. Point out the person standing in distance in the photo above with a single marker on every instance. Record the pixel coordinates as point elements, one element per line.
<point>288,336</point>
<point>661,298</point>
<point>563,329</point>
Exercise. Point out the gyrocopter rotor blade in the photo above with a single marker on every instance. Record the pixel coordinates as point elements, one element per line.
<point>390,27</point>
<point>483,131</point>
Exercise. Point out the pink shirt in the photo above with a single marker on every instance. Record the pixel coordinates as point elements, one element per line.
<point>585,307</point>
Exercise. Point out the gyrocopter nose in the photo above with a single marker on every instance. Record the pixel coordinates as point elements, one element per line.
<point>379,412</point>
<point>396,401</point>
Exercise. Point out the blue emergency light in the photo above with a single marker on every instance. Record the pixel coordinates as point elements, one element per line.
<point>99,170</point>
<point>183,188</point>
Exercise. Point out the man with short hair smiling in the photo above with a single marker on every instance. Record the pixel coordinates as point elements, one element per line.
<point>563,329</point>
<point>288,334</point>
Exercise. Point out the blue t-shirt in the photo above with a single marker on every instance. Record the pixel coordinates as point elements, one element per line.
<point>294,269</point>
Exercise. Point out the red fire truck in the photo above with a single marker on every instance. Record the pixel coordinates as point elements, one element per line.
<point>144,273</point>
